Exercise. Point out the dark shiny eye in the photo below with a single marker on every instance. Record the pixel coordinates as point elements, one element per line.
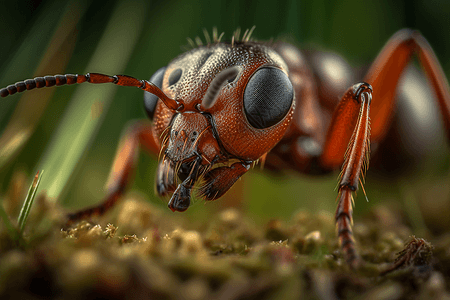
<point>151,100</point>
<point>175,76</point>
<point>268,97</point>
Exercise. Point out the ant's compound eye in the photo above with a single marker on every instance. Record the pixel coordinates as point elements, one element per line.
<point>150,100</point>
<point>175,76</point>
<point>268,97</point>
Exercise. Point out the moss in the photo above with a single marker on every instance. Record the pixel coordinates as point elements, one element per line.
<point>146,252</point>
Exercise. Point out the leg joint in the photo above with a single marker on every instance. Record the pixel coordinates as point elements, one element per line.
<point>348,185</point>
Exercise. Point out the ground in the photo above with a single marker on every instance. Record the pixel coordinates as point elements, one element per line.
<point>145,252</point>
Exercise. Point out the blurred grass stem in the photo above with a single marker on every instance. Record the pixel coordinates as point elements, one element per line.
<point>89,103</point>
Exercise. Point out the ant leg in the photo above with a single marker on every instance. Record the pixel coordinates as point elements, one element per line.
<point>137,135</point>
<point>385,73</point>
<point>348,142</point>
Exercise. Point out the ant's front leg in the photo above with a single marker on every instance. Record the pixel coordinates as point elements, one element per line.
<point>348,140</point>
<point>384,76</point>
<point>138,135</point>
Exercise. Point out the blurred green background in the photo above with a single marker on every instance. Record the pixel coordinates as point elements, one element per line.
<point>138,37</point>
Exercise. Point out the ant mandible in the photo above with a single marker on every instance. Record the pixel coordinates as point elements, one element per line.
<point>220,107</point>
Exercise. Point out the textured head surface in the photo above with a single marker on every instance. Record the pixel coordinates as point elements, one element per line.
<point>188,77</point>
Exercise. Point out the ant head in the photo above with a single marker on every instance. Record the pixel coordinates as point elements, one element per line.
<point>243,87</point>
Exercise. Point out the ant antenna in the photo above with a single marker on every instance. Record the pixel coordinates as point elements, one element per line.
<point>123,80</point>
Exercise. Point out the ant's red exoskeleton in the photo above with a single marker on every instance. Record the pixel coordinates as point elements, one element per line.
<point>218,108</point>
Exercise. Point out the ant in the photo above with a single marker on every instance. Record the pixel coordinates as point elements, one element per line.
<point>219,108</point>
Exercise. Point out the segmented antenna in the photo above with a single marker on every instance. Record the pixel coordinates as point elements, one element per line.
<point>67,79</point>
<point>40,82</point>
<point>214,88</point>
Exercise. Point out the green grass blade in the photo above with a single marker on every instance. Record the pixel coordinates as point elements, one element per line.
<point>33,45</point>
<point>82,119</point>
<point>25,211</point>
<point>23,121</point>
